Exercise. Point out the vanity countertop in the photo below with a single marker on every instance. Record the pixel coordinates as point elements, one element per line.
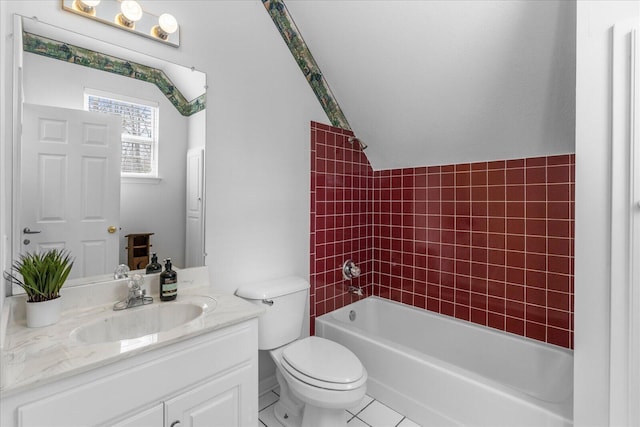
<point>35,356</point>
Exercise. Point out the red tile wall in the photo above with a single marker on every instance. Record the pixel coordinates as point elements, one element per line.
<point>489,242</point>
<point>341,221</point>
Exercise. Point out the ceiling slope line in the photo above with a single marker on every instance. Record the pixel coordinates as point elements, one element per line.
<point>291,35</point>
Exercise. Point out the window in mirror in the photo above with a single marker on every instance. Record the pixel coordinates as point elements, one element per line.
<point>139,130</point>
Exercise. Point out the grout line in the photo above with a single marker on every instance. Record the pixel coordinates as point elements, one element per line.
<point>369,404</point>
<point>363,422</point>
<point>268,406</point>
<point>271,404</point>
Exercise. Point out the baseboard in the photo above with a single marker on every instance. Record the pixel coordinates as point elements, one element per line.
<point>267,384</point>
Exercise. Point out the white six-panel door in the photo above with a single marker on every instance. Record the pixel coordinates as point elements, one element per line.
<point>69,194</point>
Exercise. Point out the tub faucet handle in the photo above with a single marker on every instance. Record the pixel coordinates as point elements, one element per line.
<point>121,272</point>
<point>350,270</point>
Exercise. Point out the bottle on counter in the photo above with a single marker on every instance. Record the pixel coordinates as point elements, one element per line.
<point>154,266</point>
<point>168,282</point>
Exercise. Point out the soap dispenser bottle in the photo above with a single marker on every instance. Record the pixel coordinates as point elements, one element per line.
<point>154,266</point>
<point>168,282</point>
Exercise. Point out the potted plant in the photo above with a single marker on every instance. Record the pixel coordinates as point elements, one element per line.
<point>43,274</point>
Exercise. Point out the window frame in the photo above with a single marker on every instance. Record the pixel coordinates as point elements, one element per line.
<point>155,140</point>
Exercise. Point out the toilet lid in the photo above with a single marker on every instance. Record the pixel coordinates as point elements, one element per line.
<point>323,360</point>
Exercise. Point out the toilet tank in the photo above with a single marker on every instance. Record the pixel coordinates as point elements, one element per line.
<point>284,301</point>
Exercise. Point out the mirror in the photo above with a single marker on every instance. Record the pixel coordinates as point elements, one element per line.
<point>169,208</point>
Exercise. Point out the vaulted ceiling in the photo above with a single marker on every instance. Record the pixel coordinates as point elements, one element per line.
<point>439,82</point>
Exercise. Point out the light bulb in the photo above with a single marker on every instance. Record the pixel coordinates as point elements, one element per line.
<point>86,6</point>
<point>168,23</point>
<point>130,13</point>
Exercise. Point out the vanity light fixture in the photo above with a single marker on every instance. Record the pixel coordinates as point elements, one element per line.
<point>130,16</point>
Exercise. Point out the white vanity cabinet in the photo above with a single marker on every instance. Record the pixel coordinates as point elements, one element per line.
<point>208,380</point>
<point>214,403</point>
<point>153,416</point>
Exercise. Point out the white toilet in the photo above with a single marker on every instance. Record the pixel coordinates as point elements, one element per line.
<point>318,378</point>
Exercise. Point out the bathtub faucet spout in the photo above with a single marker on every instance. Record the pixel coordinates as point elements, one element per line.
<point>355,290</point>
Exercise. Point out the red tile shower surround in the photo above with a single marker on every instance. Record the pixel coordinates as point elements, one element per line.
<point>488,242</point>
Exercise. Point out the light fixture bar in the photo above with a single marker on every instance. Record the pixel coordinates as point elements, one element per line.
<point>129,16</point>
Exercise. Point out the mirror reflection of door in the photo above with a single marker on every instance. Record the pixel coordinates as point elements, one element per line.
<point>70,194</point>
<point>194,249</point>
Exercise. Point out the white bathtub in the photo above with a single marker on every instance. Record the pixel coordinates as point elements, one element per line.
<point>441,371</point>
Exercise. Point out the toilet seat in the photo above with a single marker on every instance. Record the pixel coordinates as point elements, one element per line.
<point>324,364</point>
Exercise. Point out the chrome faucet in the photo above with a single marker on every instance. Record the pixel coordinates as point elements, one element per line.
<point>137,296</point>
<point>355,290</point>
<point>351,271</point>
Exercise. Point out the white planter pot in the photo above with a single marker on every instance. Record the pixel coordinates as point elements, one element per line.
<point>43,313</point>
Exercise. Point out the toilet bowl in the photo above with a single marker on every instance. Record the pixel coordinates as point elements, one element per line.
<point>323,373</point>
<point>318,378</point>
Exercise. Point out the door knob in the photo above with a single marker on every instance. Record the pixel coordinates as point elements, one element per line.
<point>112,229</point>
<point>27,230</point>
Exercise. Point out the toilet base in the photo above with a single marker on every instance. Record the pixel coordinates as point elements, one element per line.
<point>288,409</point>
<point>285,418</point>
<point>323,417</point>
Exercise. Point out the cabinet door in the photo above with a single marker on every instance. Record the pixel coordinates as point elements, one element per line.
<point>220,402</point>
<point>152,417</point>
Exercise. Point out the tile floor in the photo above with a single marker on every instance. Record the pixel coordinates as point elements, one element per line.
<point>369,413</point>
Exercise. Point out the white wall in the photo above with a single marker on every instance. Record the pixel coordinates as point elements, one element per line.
<point>144,208</point>
<point>592,233</point>
<point>258,194</point>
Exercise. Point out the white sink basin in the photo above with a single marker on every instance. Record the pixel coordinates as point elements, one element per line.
<point>137,322</point>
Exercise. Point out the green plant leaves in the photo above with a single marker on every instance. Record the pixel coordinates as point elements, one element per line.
<point>43,274</point>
